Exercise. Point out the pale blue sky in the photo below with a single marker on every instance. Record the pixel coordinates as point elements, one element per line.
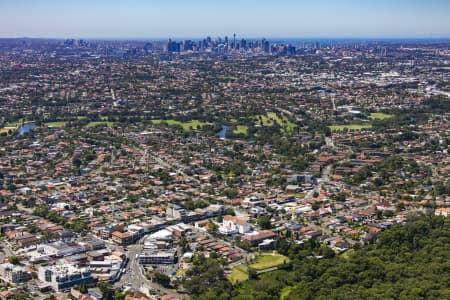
<point>248,18</point>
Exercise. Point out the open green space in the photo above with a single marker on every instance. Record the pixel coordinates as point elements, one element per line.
<point>229,77</point>
<point>100,123</point>
<point>347,253</point>
<point>264,120</point>
<point>7,129</point>
<point>335,128</point>
<point>285,292</point>
<point>299,195</point>
<point>240,130</point>
<point>238,274</point>
<point>272,118</point>
<point>13,126</point>
<point>187,126</point>
<point>380,116</point>
<point>55,124</point>
<point>268,260</point>
<point>181,272</point>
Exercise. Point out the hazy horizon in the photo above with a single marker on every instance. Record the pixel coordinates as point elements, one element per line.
<point>272,39</point>
<point>301,19</point>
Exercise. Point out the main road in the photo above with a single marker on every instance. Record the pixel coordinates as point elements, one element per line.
<point>323,179</point>
<point>135,279</point>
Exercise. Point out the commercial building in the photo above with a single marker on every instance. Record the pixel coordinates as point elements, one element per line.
<point>61,249</point>
<point>64,276</point>
<point>14,274</point>
<point>156,257</point>
<point>124,238</point>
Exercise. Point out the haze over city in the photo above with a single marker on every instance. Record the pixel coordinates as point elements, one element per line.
<point>250,18</point>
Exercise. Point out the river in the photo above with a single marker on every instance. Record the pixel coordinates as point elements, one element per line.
<point>223,132</point>
<point>25,128</point>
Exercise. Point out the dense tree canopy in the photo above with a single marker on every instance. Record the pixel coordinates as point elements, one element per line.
<point>407,262</point>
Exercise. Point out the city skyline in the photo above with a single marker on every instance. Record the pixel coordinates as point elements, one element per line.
<point>252,19</point>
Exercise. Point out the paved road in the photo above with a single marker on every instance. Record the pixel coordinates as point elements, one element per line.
<point>6,249</point>
<point>321,181</point>
<point>135,278</point>
<point>133,275</point>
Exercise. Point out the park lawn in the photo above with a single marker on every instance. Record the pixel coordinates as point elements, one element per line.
<point>181,272</point>
<point>285,292</point>
<point>230,77</point>
<point>347,253</point>
<point>7,129</point>
<point>187,126</point>
<point>240,130</point>
<point>283,121</point>
<point>268,260</point>
<point>335,128</point>
<point>271,118</point>
<point>98,123</point>
<point>13,126</point>
<point>55,124</point>
<point>238,275</point>
<point>264,121</point>
<point>299,195</point>
<point>380,116</point>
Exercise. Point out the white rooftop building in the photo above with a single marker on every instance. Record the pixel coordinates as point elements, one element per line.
<point>64,276</point>
<point>232,225</point>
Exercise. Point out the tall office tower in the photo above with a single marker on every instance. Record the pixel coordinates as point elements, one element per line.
<point>244,44</point>
<point>169,46</point>
<point>234,40</point>
<point>173,46</point>
<point>266,46</point>
<point>148,47</point>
